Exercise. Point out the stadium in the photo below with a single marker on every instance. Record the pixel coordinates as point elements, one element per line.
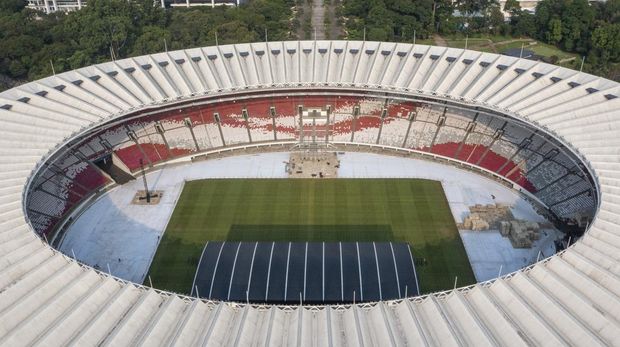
<point>311,193</point>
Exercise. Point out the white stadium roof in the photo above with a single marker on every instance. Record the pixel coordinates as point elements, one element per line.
<point>572,298</point>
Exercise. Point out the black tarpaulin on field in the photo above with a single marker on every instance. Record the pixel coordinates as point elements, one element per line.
<point>311,272</point>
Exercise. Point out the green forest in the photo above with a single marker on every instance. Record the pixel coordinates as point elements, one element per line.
<point>30,42</point>
<point>34,45</point>
<point>574,26</point>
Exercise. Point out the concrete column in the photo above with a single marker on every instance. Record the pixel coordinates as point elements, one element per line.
<point>217,118</point>
<point>300,110</point>
<point>383,115</point>
<point>327,125</point>
<point>190,126</point>
<point>356,112</point>
<point>411,117</point>
<point>272,112</point>
<point>246,117</point>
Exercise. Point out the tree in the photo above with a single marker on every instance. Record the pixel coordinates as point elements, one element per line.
<point>379,23</point>
<point>102,26</point>
<point>377,34</point>
<point>235,32</point>
<point>187,27</point>
<point>16,68</point>
<point>471,7</point>
<point>12,6</point>
<point>610,11</point>
<point>149,13</point>
<point>525,25</point>
<point>496,18</point>
<point>397,19</point>
<point>513,8</point>
<point>152,39</point>
<point>555,31</point>
<point>606,40</point>
<point>566,23</point>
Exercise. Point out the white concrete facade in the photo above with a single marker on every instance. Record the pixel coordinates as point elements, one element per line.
<point>572,298</point>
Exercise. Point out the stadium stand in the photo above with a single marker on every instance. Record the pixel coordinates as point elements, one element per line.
<point>476,108</point>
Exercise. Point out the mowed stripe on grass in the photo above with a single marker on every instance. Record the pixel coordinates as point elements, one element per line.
<point>404,210</point>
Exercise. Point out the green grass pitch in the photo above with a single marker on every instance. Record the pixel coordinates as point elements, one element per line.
<point>405,210</point>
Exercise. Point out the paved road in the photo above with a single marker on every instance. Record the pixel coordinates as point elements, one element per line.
<point>318,19</point>
<point>440,41</point>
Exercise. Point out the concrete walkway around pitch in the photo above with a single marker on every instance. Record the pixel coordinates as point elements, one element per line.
<point>115,233</point>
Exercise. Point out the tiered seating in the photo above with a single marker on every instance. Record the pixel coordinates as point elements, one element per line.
<point>260,120</point>
<point>232,123</point>
<point>504,148</point>
<point>371,107</point>
<point>472,142</point>
<point>286,127</point>
<point>400,109</point>
<point>92,147</point>
<point>86,176</point>
<point>446,135</point>
<point>562,189</point>
<point>515,134</point>
<point>509,167</point>
<point>484,125</point>
<point>520,178</point>
<point>447,149</point>
<point>532,157</point>
<point>546,173</point>
<point>367,128</point>
<point>341,128</point>
<point>114,136</point>
<point>394,131</point>
<point>421,135</point>
<point>458,120</point>
<point>176,131</point>
<point>60,187</point>
<point>286,121</point>
<point>476,153</point>
<point>345,103</point>
<point>47,205</point>
<point>578,204</point>
<point>131,155</point>
<point>61,191</point>
<point>492,161</point>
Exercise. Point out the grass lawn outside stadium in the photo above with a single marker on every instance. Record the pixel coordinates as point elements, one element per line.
<point>331,210</point>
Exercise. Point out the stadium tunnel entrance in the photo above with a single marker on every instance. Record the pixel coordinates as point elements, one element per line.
<point>114,168</point>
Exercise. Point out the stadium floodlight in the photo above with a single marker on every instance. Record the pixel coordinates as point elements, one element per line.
<point>146,187</point>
